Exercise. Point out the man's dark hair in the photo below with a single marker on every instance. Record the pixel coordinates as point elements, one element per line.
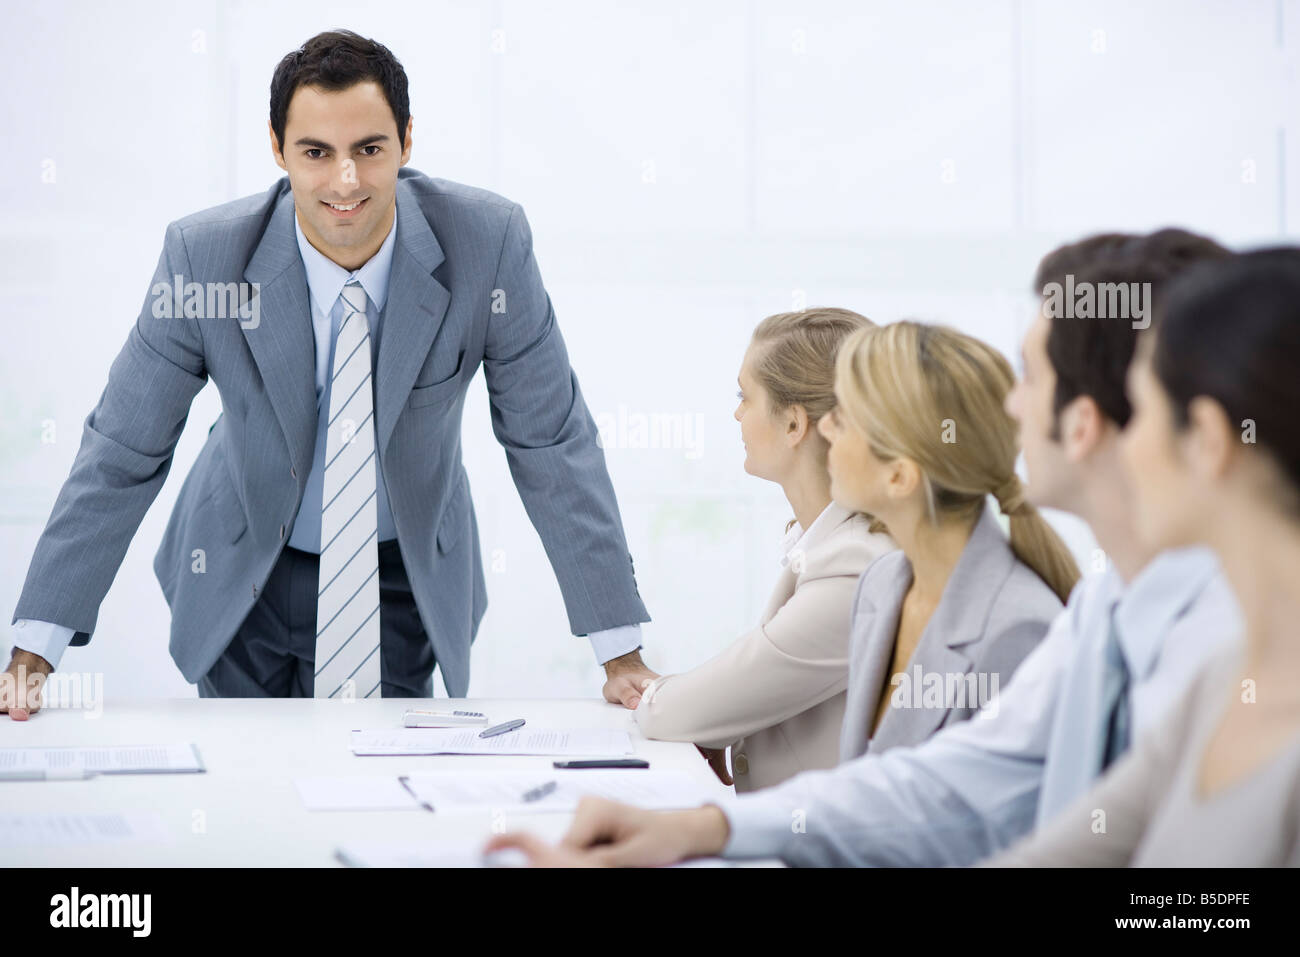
<point>1091,356</point>
<point>1231,331</point>
<point>335,61</point>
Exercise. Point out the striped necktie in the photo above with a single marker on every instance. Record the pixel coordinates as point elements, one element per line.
<point>347,604</point>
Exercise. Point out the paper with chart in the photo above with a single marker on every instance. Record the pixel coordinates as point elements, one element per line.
<point>447,791</point>
<point>67,830</point>
<point>582,742</point>
<point>110,759</point>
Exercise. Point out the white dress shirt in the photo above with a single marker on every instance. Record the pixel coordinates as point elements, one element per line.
<point>792,546</point>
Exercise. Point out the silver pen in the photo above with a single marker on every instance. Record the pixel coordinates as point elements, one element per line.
<point>502,728</point>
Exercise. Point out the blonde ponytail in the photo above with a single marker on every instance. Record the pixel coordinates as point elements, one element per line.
<point>909,385</point>
<point>1034,542</point>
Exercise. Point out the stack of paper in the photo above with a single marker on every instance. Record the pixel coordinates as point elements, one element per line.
<point>113,759</point>
<point>39,829</point>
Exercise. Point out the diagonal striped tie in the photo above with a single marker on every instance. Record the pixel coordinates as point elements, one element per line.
<point>347,609</point>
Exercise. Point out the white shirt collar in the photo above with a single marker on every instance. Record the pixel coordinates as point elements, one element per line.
<point>797,539</point>
<point>326,278</point>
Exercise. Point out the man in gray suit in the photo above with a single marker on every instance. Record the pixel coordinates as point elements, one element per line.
<point>325,541</point>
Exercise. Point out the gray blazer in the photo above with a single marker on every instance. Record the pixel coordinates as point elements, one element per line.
<point>465,291</point>
<point>993,612</point>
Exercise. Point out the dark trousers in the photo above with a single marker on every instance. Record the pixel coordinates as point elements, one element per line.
<point>273,655</point>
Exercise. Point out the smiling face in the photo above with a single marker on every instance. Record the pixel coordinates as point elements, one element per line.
<point>342,150</point>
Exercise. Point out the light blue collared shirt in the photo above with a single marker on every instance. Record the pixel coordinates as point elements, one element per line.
<point>1079,723</point>
<point>975,787</point>
<point>325,282</point>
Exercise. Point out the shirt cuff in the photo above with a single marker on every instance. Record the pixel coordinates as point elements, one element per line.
<point>758,826</point>
<point>615,642</point>
<point>42,638</point>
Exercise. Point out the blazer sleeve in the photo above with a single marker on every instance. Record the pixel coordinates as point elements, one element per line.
<point>794,662</point>
<point>550,441</point>
<point>126,450</point>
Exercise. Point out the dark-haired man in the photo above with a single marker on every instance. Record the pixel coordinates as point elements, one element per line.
<point>325,542</point>
<point>1126,647</point>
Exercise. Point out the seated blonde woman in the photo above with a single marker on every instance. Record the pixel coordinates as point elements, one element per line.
<point>776,695</point>
<point>920,440</point>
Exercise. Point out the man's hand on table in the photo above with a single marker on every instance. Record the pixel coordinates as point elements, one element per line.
<point>608,834</point>
<point>21,684</point>
<point>625,678</point>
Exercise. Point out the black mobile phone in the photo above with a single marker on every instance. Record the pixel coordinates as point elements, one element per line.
<point>603,763</point>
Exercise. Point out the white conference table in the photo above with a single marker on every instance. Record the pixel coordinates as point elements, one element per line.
<point>244,810</point>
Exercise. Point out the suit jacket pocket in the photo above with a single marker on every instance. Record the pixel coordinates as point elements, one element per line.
<point>230,514</point>
<point>437,392</point>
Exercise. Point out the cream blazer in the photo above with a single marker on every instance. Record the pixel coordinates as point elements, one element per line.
<point>776,695</point>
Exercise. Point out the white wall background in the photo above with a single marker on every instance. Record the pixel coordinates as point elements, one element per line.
<point>688,168</point>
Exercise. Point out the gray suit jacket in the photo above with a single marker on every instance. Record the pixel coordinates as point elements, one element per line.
<point>465,291</point>
<point>993,612</point>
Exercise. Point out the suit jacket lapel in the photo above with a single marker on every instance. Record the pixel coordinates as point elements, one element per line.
<point>282,343</point>
<point>416,306</point>
<point>788,580</point>
<point>959,620</point>
<point>875,628</point>
<point>785,584</point>
<point>284,347</point>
